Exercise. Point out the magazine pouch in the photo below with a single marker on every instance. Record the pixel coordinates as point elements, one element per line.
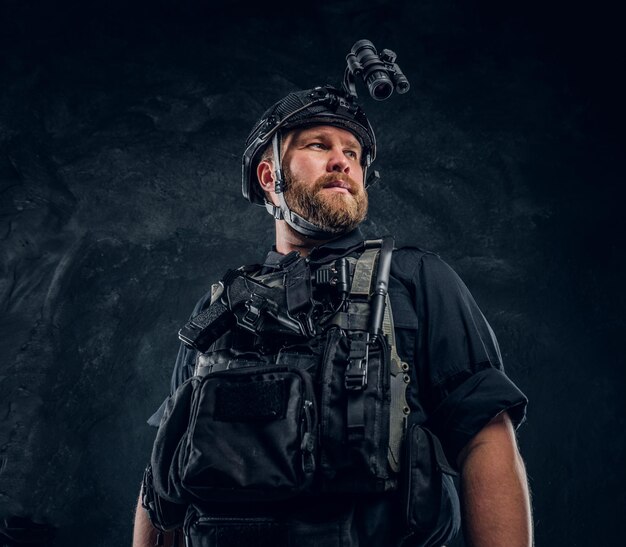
<point>354,424</point>
<point>251,435</point>
<point>430,498</point>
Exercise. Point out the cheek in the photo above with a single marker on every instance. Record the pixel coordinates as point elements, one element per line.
<point>305,166</point>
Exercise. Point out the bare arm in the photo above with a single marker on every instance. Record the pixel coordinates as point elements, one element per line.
<point>145,535</point>
<point>496,499</point>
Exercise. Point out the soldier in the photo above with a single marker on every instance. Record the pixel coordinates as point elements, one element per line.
<point>335,389</point>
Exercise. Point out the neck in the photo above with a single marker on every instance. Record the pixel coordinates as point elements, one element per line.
<point>287,240</point>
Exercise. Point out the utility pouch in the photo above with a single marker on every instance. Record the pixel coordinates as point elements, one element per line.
<point>354,423</point>
<point>430,498</point>
<point>164,515</point>
<point>251,435</point>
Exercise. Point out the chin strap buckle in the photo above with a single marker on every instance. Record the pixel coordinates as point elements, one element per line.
<point>273,210</point>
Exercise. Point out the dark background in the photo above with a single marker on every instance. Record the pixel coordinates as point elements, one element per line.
<point>121,131</point>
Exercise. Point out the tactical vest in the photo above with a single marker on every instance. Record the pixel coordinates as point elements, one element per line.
<point>298,394</point>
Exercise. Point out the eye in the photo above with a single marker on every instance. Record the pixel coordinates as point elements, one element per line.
<point>352,154</point>
<point>317,145</point>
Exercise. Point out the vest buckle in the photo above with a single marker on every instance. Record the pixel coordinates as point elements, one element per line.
<point>356,371</point>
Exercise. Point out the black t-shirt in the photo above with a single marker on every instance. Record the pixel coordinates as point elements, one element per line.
<point>458,381</point>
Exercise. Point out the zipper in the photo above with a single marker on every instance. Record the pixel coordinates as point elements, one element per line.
<point>234,520</point>
<point>308,439</point>
<point>193,518</point>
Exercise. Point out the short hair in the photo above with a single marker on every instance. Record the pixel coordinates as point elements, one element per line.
<point>267,154</point>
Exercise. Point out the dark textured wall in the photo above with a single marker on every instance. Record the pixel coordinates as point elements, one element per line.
<point>121,131</point>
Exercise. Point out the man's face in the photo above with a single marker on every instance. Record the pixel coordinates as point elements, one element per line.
<point>324,177</point>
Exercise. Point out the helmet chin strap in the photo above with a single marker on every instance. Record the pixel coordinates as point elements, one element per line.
<point>283,212</point>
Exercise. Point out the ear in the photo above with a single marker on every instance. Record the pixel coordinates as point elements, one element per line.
<point>265,174</point>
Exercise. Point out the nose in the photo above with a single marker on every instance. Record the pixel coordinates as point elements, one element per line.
<point>337,161</point>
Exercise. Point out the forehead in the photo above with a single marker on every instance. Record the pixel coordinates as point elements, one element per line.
<point>326,132</point>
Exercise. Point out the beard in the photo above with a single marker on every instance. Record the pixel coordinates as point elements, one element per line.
<point>333,212</point>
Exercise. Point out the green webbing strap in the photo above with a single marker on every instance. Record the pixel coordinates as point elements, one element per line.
<point>363,273</point>
<point>398,409</point>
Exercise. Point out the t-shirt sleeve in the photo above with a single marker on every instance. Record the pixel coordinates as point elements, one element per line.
<point>461,377</point>
<point>183,366</point>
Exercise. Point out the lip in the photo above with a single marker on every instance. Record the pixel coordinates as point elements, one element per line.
<point>338,186</point>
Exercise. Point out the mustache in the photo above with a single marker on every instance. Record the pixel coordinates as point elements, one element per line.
<point>325,180</point>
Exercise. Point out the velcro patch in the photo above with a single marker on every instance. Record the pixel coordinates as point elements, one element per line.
<point>251,401</point>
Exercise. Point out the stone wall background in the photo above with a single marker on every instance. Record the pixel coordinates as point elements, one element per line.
<point>121,129</point>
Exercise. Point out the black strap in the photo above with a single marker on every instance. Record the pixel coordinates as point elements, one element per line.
<point>298,288</point>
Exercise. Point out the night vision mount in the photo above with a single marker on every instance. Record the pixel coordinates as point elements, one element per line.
<point>379,71</point>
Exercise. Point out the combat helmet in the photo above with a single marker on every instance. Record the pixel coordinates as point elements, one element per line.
<point>324,105</point>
